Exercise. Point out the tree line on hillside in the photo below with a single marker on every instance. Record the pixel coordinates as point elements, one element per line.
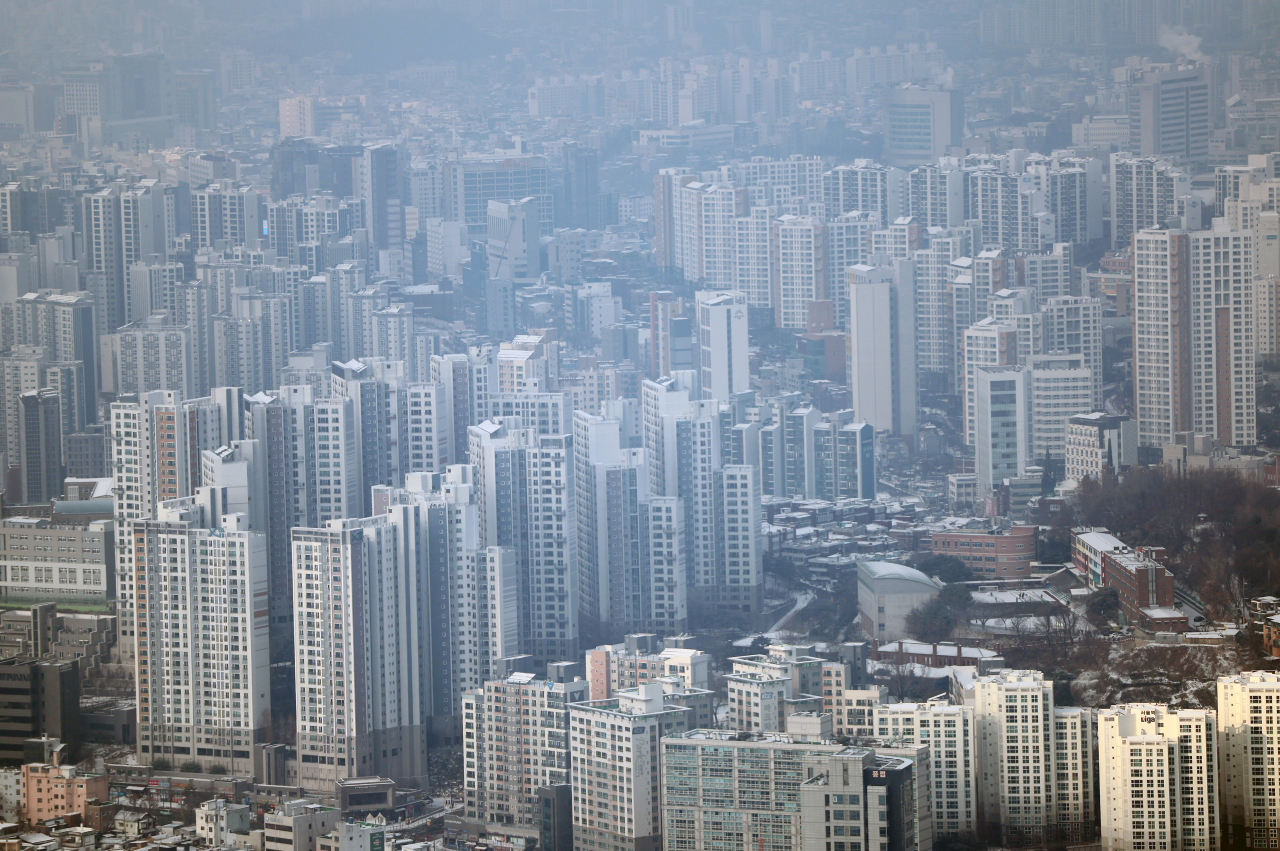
<point>1221,531</point>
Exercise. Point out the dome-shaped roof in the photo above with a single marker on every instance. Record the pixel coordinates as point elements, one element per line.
<point>893,570</point>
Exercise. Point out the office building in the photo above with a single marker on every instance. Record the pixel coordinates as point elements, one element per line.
<point>922,125</point>
<point>882,352</point>
<point>600,732</point>
<point>514,248</point>
<point>517,713</point>
<point>82,571</point>
<point>1169,112</point>
<point>207,706</point>
<point>1001,437</point>
<point>471,181</point>
<point>43,701</point>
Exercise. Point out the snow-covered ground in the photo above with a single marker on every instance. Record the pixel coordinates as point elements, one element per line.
<point>776,631</point>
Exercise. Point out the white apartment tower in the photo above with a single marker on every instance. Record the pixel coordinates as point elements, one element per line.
<point>951,734</point>
<point>1168,754</point>
<point>798,276</point>
<point>1034,786</point>
<point>615,743</point>
<point>881,364</point>
<point>1248,723</point>
<point>527,499</point>
<point>631,556</point>
<point>722,344</point>
<point>504,720</point>
<point>203,668</point>
<point>1223,361</point>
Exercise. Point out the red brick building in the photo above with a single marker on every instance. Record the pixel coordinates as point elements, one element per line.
<point>1145,587</point>
<point>991,553</point>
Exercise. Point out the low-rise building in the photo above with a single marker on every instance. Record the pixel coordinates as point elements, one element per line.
<point>50,791</point>
<point>939,655</point>
<point>1145,588</point>
<point>1000,553</point>
<point>1087,546</point>
<point>217,819</point>
<point>296,825</point>
<point>887,592</point>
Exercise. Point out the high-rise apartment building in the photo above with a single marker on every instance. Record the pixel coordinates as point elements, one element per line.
<point>154,354</point>
<point>202,656</point>
<point>1144,194</point>
<point>527,496</point>
<point>1034,784</point>
<point>1223,365</point>
<point>156,441</point>
<point>64,324</point>
<point>722,502</point>
<point>505,719</point>
<point>798,276</point>
<point>1162,344</point>
<point>950,732</point>
<point>632,565</point>
<point>617,743</point>
<point>882,352</point>
<point>1150,748</point>
<point>1192,370</point>
<point>359,584</point>
<point>868,187</point>
<point>722,344</point>
<point>1248,705</point>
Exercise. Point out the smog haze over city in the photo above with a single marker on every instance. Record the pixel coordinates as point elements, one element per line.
<point>617,425</point>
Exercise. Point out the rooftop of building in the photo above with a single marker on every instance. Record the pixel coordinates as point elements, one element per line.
<point>945,648</point>
<point>891,570</point>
